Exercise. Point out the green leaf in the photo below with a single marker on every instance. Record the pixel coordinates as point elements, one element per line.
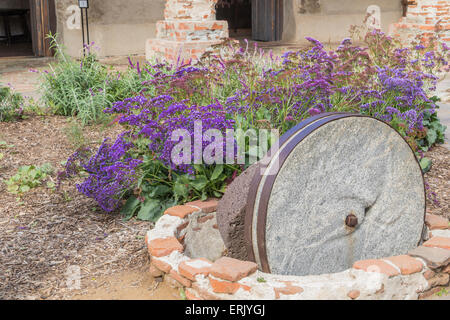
<point>160,190</point>
<point>217,171</point>
<point>130,207</point>
<point>199,183</point>
<point>180,190</point>
<point>425,164</point>
<point>150,210</point>
<point>24,189</point>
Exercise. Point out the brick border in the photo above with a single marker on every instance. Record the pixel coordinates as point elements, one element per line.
<point>419,274</point>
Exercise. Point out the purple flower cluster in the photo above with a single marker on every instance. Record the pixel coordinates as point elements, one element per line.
<point>156,119</point>
<point>111,172</point>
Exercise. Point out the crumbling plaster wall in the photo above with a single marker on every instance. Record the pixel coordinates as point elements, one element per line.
<point>330,20</point>
<point>117,27</point>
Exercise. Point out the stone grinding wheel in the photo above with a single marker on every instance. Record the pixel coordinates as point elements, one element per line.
<point>341,188</point>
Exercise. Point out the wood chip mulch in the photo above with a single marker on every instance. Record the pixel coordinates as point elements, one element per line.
<point>52,231</point>
<point>438,179</point>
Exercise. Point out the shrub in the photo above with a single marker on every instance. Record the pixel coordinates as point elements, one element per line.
<point>249,89</point>
<point>11,104</point>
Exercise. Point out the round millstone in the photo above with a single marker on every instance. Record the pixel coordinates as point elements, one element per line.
<point>341,188</point>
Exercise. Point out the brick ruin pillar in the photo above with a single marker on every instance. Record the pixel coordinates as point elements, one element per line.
<point>188,30</point>
<point>424,19</point>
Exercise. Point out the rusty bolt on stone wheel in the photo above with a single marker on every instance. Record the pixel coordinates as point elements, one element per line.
<point>351,220</point>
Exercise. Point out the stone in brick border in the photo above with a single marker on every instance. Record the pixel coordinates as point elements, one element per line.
<point>434,257</point>
<point>376,265</point>
<point>191,268</point>
<point>438,242</point>
<point>163,247</point>
<point>180,211</point>
<point>208,206</point>
<point>406,264</point>
<point>232,269</point>
<point>397,277</point>
<point>436,222</point>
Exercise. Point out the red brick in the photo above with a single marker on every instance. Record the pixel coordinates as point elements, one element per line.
<point>232,269</point>
<point>189,270</point>
<point>353,294</point>
<point>435,222</point>
<point>288,289</point>
<point>438,242</point>
<point>204,294</point>
<point>161,265</point>
<point>223,286</point>
<point>429,274</point>
<point>182,280</point>
<point>155,272</point>
<point>180,211</point>
<point>207,206</point>
<point>191,295</point>
<point>163,247</point>
<point>406,264</point>
<point>374,265</point>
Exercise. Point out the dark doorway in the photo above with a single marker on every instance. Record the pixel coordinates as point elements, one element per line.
<point>24,25</point>
<point>238,13</point>
<point>267,20</point>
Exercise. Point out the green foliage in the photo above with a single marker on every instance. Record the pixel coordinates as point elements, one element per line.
<point>29,177</point>
<point>10,104</point>
<point>435,131</point>
<point>73,88</point>
<point>425,164</point>
<point>159,188</point>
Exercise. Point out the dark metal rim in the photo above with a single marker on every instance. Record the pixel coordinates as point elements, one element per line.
<point>285,151</point>
<point>257,179</point>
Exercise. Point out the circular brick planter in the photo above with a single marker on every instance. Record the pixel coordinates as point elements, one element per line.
<point>418,274</point>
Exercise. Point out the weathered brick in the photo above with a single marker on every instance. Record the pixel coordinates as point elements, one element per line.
<point>180,211</point>
<point>163,247</point>
<point>194,267</point>
<point>207,206</point>
<point>224,286</point>
<point>161,265</point>
<point>438,242</point>
<point>192,295</point>
<point>155,272</point>
<point>440,279</point>
<point>288,290</point>
<point>185,282</point>
<point>374,265</point>
<point>232,269</point>
<point>436,222</point>
<point>434,257</point>
<point>353,294</point>
<point>406,264</point>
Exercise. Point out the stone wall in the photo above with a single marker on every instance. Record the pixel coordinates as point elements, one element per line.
<point>425,19</point>
<point>330,20</point>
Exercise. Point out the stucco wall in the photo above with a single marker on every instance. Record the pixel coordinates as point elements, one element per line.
<point>330,20</point>
<point>117,27</point>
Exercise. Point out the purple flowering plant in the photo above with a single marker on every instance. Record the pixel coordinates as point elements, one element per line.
<point>248,88</point>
